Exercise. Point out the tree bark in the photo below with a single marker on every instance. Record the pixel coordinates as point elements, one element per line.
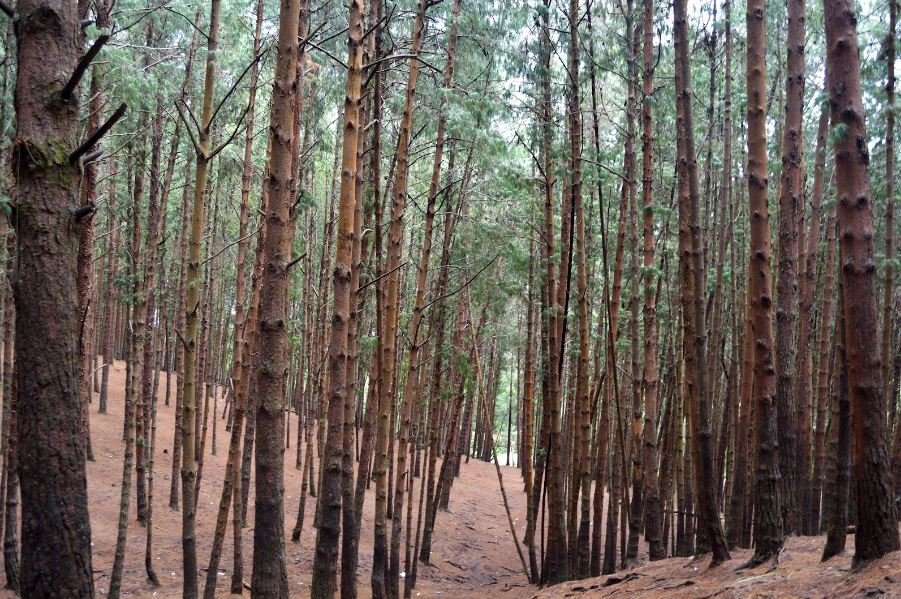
<point>56,530</point>
<point>877,533</point>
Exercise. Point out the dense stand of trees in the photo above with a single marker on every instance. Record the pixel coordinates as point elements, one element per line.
<point>541,230</point>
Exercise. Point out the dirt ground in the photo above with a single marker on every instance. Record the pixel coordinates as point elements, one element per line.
<point>473,554</point>
<point>798,575</point>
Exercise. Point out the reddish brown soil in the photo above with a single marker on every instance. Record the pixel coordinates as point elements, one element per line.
<point>472,556</point>
<point>799,574</point>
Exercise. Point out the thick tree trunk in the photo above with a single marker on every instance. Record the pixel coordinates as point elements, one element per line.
<point>270,576</point>
<point>877,532</point>
<point>56,530</point>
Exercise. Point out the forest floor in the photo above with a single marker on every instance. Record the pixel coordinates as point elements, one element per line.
<point>798,575</point>
<point>473,555</point>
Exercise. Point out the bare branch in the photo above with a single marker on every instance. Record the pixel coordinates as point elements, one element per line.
<point>97,135</point>
<point>82,66</point>
<point>188,128</point>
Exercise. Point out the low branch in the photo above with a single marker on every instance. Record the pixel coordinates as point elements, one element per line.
<point>98,134</point>
<point>7,9</point>
<point>231,137</point>
<point>82,66</point>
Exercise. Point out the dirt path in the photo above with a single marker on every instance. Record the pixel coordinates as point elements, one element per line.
<point>473,554</point>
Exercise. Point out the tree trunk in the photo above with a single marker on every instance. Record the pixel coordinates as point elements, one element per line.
<point>877,533</point>
<point>768,531</point>
<point>326,558</point>
<point>270,576</point>
<point>56,530</point>
<point>708,517</point>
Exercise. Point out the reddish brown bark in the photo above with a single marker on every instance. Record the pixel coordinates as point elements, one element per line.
<point>877,533</point>
<point>56,530</point>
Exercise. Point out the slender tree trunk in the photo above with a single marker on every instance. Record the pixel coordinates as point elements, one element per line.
<point>193,289</point>
<point>326,558</point>
<point>840,446</point>
<point>652,508</point>
<point>380,587</point>
<point>803,388</point>
<point>238,375</point>
<point>695,373</point>
<point>768,531</point>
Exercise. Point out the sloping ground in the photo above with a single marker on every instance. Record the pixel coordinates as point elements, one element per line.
<point>473,555</point>
<point>798,575</point>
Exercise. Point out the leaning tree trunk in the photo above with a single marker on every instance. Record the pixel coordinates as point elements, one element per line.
<point>56,530</point>
<point>877,533</point>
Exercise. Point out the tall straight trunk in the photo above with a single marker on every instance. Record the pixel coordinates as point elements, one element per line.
<point>791,416</point>
<point>810,509</point>
<point>10,492</point>
<point>412,390</point>
<point>374,200</point>
<point>708,517</point>
<point>155,226</point>
<point>193,289</point>
<point>180,348</point>
<point>387,397</point>
<point>652,508</point>
<point>556,563</point>
<point>326,559</point>
<point>238,376</point>
<point>56,529</point>
<point>270,576</point>
<point>840,442</point>
<point>581,433</point>
<point>111,296</point>
<point>768,531</point>
<point>888,283</point>
<point>877,533</point>
<point>823,401</point>
<point>138,315</point>
<point>528,415</point>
